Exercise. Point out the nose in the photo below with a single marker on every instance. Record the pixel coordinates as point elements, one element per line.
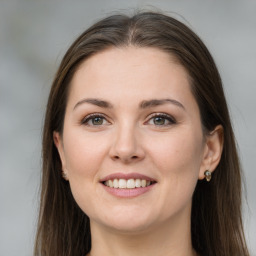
<point>127,145</point>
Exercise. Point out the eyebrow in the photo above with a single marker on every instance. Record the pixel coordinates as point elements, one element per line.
<point>158,102</point>
<point>96,102</point>
<point>144,104</point>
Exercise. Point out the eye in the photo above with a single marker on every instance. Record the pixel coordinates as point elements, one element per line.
<point>161,120</point>
<point>94,120</point>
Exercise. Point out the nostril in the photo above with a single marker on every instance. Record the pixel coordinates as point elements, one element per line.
<point>118,157</point>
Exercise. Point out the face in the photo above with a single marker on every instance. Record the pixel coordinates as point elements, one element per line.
<point>132,144</point>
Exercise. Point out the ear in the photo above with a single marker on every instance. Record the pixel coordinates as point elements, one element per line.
<point>212,151</point>
<point>59,145</point>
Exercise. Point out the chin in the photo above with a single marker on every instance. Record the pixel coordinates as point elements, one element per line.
<point>127,222</point>
<point>127,227</point>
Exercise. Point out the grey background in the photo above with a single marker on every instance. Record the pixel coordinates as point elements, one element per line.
<point>34,35</point>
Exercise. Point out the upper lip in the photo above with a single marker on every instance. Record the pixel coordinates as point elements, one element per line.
<point>126,176</point>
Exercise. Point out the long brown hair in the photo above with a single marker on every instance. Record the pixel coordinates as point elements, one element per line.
<point>216,222</point>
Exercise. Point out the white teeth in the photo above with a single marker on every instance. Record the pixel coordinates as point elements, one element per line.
<point>122,183</point>
<point>131,183</point>
<point>137,183</point>
<point>143,183</point>
<point>115,183</point>
<point>110,183</point>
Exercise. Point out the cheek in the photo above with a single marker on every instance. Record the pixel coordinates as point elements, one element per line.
<point>84,154</point>
<point>84,157</point>
<point>178,154</point>
<point>178,160</point>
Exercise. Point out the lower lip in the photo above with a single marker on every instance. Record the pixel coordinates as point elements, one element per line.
<point>127,193</point>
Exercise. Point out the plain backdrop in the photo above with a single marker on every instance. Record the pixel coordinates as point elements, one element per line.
<point>34,35</point>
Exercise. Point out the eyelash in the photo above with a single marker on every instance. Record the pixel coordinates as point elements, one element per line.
<point>167,117</point>
<point>87,119</point>
<point>170,119</point>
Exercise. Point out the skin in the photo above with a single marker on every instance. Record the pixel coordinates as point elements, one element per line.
<point>130,139</point>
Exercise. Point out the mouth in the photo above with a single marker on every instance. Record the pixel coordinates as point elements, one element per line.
<point>128,183</point>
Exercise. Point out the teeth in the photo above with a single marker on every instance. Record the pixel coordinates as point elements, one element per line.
<point>115,183</point>
<point>131,183</point>
<point>137,183</point>
<point>110,183</point>
<point>122,183</point>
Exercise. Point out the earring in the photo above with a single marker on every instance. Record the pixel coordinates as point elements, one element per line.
<point>64,175</point>
<point>208,175</point>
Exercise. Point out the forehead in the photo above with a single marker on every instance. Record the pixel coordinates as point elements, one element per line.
<point>127,59</point>
<point>130,69</point>
<point>126,77</point>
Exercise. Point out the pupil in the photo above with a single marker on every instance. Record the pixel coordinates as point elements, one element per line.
<point>97,120</point>
<point>159,120</point>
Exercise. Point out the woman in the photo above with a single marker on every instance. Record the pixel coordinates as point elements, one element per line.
<point>139,156</point>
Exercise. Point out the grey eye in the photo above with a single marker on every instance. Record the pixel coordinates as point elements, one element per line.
<point>97,120</point>
<point>94,120</point>
<point>159,120</point>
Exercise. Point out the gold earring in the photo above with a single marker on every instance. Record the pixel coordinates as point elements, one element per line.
<point>64,175</point>
<point>208,175</point>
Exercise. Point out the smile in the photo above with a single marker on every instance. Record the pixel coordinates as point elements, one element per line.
<point>128,184</point>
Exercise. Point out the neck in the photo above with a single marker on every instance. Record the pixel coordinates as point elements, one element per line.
<point>172,237</point>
